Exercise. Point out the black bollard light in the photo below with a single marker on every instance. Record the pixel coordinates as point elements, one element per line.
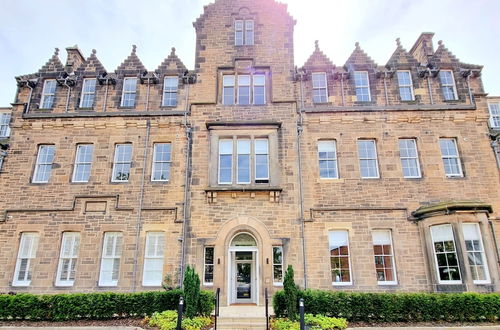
<point>301,312</point>
<point>179,313</point>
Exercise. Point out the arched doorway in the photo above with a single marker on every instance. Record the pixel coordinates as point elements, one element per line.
<point>243,286</point>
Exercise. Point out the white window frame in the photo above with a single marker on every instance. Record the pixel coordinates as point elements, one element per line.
<point>70,254</point>
<point>383,255</point>
<point>256,153</point>
<point>256,84</point>
<point>227,83</point>
<point>356,86</point>
<point>323,89</point>
<point>447,85</point>
<point>477,229</point>
<point>79,163</point>
<point>239,153</point>
<point>328,159</point>
<point>456,157</point>
<point>244,27</point>
<point>5,124</point>
<point>40,163</point>
<point>219,160</point>
<point>88,94</point>
<point>205,265</point>
<point>46,94</point>
<point>241,85</point>
<point>124,92</point>
<point>350,282</point>
<point>115,254</point>
<point>435,256</point>
<point>410,85</point>
<point>415,158</point>
<point>494,114</point>
<point>170,90</point>
<point>155,258</point>
<point>371,159</point>
<point>30,256</point>
<point>116,162</point>
<point>249,28</point>
<point>156,162</point>
<point>279,247</point>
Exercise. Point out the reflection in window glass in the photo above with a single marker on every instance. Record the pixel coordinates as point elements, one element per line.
<point>339,257</point>
<point>445,254</point>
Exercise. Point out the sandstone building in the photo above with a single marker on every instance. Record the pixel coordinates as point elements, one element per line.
<point>364,177</point>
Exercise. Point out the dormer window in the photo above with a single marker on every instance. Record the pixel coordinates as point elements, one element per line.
<point>243,32</point>
<point>405,86</point>
<point>88,93</point>
<point>170,87</point>
<point>320,90</point>
<point>48,94</point>
<point>448,85</point>
<point>362,85</point>
<point>129,91</point>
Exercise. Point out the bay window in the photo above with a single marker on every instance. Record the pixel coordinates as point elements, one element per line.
<point>445,255</point>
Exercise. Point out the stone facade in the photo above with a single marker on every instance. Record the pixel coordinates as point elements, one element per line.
<point>291,206</point>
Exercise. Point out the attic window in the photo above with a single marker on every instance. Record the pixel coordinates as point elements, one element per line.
<point>243,32</point>
<point>320,91</point>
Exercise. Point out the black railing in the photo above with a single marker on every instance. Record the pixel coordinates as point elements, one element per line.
<point>217,300</point>
<point>267,308</point>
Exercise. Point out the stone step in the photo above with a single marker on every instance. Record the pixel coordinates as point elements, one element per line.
<point>241,323</point>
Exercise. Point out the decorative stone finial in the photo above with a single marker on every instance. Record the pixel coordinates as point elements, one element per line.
<point>94,51</point>
<point>357,45</point>
<point>440,42</point>
<point>173,51</point>
<point>316,45</point>
<point>134,48</point>
<point>398,42</point>
<point>56,52</point>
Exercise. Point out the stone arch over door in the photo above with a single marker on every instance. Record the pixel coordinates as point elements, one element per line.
<point>264,244</point>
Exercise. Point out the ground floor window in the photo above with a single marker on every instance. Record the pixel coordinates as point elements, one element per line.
<point>208,269</point>
<point>475,253</point>
<point>110,261</point>
<point>66,270</point>
<point>445,254</point>
<point>25,257</point>
<point>277,265</point>
<point>384,257</point>
<point>153,259</point>
<point>339,257</point>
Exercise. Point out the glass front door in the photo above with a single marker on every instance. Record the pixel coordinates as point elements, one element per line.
<point>243,280</point>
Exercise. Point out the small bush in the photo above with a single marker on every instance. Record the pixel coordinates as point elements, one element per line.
<point>95,306</point>
<point>397,307</point>
<point>316,322</point>
<point>290,290</point>
<point>191,292</point>
<point>167,320</point>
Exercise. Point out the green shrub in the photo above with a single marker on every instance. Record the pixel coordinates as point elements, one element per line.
<point>316,322</point>
<point>167,320</point>
<point>191,292</point>
<point>94,306</point>
<point>396,307</point>
<point>290,290</point>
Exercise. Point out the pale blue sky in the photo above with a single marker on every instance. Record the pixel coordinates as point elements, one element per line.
<point>30,29</point>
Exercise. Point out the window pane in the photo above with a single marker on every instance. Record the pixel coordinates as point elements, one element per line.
<point>445,253</point>
<point>339,256</point>
<point>327,159</point>
<point>208,276</point>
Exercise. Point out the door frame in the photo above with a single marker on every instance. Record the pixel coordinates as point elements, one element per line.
<point>231,274</point>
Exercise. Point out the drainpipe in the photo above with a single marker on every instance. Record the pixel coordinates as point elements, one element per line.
<point>495,241</point>
<point>429,85</point>
<point>147,96</point>
<point>138,227</point>
<point>470,91</point>
<point>69,94</point>
<point>301,185</point>
<point>29,98</point>
<point>105,97</point>
<point>342,88</point>
<point>187,181</point>
<point>494,145</point>
<point>385,89</point>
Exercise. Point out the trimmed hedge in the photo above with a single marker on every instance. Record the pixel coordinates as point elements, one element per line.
<point>74,306</point>
<point>397,307</point>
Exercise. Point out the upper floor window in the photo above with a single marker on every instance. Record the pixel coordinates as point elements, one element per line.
<point>83,162</point>
<point>368,163</point>
<point>451,159</point>
<point>494,115</point>
<point>340,262</point>
<point>448,85</point>
<point>110,259</point>
<point>320,90</point>
<point>243,32</point>
<point>251,89</point>
<point>25,256</point>
<point>153,259</point>
<point>66,270</point>
<point>122,163</point>
<point>161,162</point>
<point>384,257</point>
<point>48,94</point>
<point>362,85</point>
<point>4,125</point>
<point>238,156</point>
<point>170,88</point>
<point>327,155</point>
<point>445,254</point>
<point>43,166</point>
<point>405,86</point>
<point>88,93</point>
<point>129,91</point>
<point>409,158</point>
